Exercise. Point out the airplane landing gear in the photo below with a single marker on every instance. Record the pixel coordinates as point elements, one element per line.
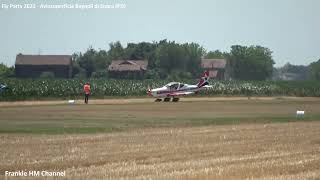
<point>167,99</point>
<point>175,99</point>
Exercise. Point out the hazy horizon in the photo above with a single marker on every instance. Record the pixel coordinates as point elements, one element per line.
<point>289,28</point>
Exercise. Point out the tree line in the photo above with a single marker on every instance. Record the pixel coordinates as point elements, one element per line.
<point>172,60</point>
<point>169,59</point>
<point>297,72</point>
<point>165,59</point>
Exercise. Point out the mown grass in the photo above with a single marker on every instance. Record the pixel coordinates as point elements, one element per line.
<point>82,119</point>
<point>123,125</point>
<point>254,120</point>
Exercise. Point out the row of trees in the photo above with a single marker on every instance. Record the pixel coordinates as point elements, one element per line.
<point>298,72</point>
<point>165,58</point>
<point>169,59</point>
<point>314,70</point>
<point>6,71</point>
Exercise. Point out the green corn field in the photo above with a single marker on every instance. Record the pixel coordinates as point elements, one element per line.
<point>28,89</point>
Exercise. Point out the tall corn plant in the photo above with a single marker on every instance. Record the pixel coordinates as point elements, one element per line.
<point>22,89</point>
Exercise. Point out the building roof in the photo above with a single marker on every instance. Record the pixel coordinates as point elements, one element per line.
<point>22,59</point>
<point>213,63</point>
<point>128,65</point>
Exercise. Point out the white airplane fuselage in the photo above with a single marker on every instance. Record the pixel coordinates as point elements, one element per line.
<point>179,89</point>
<point>175,89</point>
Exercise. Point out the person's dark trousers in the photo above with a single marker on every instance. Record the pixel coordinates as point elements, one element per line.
<point>86,98</point>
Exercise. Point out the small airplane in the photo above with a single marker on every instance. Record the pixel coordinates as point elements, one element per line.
<point>175,89</point>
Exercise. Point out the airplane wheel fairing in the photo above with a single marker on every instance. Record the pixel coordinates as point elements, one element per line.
<point>175,99</point>
<point>158,100</point>
<point>167,99</point>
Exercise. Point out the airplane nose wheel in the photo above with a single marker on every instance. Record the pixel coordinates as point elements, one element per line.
<point>175,99</point>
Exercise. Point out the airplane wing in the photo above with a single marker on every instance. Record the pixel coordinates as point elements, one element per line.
<point>207,86</point>
<point>180,93</point>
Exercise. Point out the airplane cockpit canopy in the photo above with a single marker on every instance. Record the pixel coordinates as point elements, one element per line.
<point>174,85</point>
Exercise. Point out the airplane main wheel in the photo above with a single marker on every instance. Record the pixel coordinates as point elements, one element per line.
<point>167,99</point>
<point>175,99</point>
<point>158,100</point>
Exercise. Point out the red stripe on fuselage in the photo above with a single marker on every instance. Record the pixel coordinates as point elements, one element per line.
<point>164,92</point>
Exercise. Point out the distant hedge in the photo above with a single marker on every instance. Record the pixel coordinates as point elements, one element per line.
<point>24,89</point>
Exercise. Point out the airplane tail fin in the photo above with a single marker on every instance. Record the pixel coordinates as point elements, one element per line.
<point>204,79</point>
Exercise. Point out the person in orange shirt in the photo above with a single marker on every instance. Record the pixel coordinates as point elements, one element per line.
<point>87,90</point>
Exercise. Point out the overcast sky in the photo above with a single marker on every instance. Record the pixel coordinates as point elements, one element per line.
<point>290,28</point>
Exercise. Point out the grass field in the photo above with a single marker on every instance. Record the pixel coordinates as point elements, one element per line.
<point>198,138</point>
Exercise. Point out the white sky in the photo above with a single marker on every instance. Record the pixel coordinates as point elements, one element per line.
<point>290,28</point>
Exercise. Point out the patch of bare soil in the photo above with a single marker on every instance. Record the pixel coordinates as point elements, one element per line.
<point>149,100</point>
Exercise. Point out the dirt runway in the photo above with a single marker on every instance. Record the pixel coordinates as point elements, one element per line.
<point>149,100</point>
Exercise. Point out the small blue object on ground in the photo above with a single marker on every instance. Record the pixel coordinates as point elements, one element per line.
<point>2,87</point>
